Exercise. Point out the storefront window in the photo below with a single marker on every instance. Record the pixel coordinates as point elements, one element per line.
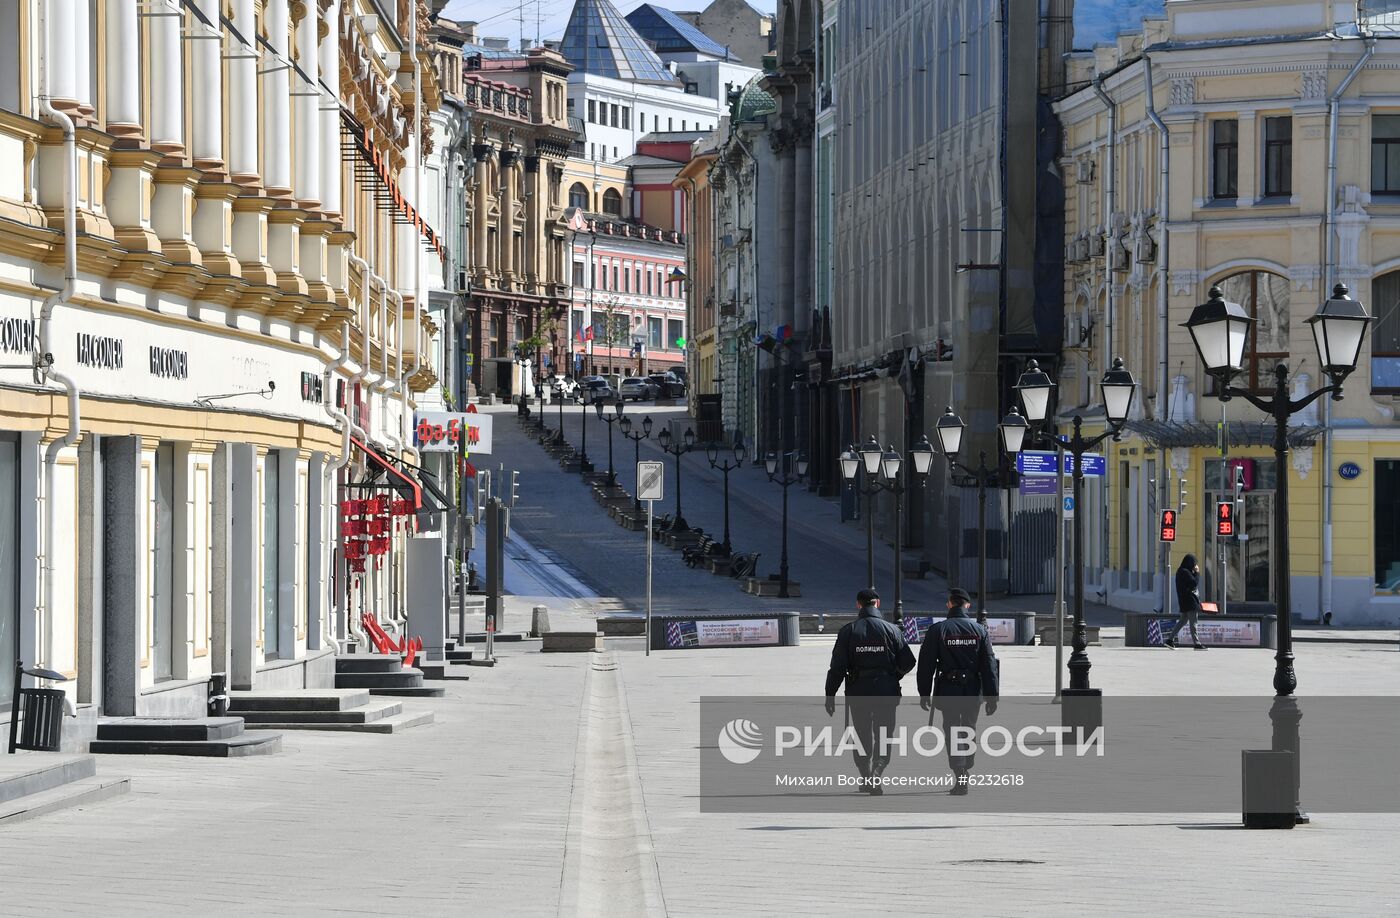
<point>9,567</point>
<point>1387,523</point>
<point>1265,297</point>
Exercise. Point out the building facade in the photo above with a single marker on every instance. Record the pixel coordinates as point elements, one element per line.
<point>211,335</point>
<point>628,315</point>
<point>943,253</point>
<point>735,24</point>
<point>1204,161</point>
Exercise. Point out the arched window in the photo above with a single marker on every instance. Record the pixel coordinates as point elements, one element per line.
<point>578,196</point>
<point>1385,335</point>
<point>612,203</point>
<point>1265,297</point>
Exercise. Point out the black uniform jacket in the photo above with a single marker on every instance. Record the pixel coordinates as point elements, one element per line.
<point>956,659</point>
<point>870,656</point>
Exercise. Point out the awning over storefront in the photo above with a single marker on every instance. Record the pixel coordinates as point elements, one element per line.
<point>435,499</point>
<point>1241,434</point>
<point>383,473</point>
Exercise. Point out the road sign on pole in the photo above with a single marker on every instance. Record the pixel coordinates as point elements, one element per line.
<point>1069,506</point>
<point>650,478</point>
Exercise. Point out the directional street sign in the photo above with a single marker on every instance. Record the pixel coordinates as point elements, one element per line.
<point>1069,507</point>
<point>650,477</point>
<point>1042,462</point>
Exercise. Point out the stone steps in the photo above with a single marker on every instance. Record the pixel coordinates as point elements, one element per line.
<point>213,737</point>
<point>82,792</point>
<point>29,773</point>
<point>314,701</point>
<point>391,724</point>
<point>381,678</point>
<point>367,663</point>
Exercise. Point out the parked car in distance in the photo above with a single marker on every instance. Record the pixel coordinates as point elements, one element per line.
<point>668,385</point>
<point>637,389</point>
<point>593,388</point>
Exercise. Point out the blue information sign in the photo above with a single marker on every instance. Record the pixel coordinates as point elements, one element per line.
<point>1042,462</point>
<point>1349,471</point>
<point>1037,484</point>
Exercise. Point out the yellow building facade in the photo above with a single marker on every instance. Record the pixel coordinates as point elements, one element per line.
<point>1253,146</point>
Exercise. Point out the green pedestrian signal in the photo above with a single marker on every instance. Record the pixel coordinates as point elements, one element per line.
<point>680,342</point>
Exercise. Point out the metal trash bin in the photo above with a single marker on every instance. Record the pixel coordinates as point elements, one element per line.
<point>36,723</point>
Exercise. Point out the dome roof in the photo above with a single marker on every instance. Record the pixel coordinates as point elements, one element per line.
<point>753,103</point>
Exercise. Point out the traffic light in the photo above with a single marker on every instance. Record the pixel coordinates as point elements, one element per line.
<point>1168,527</point>
<point>1225,518</point>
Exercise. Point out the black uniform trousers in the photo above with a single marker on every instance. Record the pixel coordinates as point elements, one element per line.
<point>873,717</point>
<point>958,711</point>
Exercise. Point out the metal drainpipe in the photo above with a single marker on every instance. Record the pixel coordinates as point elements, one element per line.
<point>1163,278</point>
<point>1110,195</point>
<point>334,469</point>
<point>1329,248</point>
<point>366,280</point>
<point>43,359</point>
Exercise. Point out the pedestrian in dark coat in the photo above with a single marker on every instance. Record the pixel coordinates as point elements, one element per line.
<point>1188,601</point>
<point>956,664</point>
<point>870,657</point>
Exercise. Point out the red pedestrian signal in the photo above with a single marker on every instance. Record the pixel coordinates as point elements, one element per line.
<point>1225,518</point>
<point>1168,527</point>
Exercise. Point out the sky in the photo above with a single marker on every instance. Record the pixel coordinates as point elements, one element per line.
<point>501,18</point>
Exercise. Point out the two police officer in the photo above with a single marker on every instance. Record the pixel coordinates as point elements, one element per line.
<point>959,669</point>
<point>870,657</point>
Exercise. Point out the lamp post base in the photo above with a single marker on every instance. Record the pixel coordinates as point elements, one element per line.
<point>1081,712</point>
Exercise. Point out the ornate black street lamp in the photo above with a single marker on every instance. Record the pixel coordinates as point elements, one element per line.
<point>882,468</point>
<point>785,480</point>
<point>950,428</point>
<point>1117,389</point>
<point>680,448</point>
<point>712,453</point>
<point>610,420</point>
<point>1220,330</point>
<point>636,438</point>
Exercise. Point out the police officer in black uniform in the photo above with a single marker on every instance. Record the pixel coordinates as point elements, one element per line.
<point>870,656</point>
<point>956,664</point>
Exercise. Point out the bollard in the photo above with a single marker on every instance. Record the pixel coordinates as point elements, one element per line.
<point>218,695</point>
<point>539,621</point>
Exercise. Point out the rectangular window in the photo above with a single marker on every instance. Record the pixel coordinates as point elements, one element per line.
<point>627,117</point>
<point>616,117</point>
<point>1225,159</point>
<point>626,280</point>
<point>649,287</point>
<point>670,124</point>
<point>602,283</point>
<point>654,333</point>
<point>592,112</point>
<point>1278,157</point>
<point>496,345</point>
<point>1385,154</point>
<point>578,274</point>
<point>642,121</point>
<point>616,285</point>
<point>675,333</point>
<point>1387,526</point>
<point>1385,334</point>
<point>272,554</point>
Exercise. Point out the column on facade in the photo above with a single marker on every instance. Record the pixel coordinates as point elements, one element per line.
<point>167,83</point>
<point>802,234</point>
<point>505,233</point>
<point>533,267</point>
<point>779,396</point>
<point>123,49</point>
<point>82,60</point>
<point>243,98</point>
<point>480,207</point>
<point>208,107</point>
<point>61,83</point>
<point>277,177</point>
<point>308,118</point>
<point>328,112</point>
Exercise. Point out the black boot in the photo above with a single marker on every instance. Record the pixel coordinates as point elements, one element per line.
<point>959,784</point>
<point>863,766</point>
<point>875,773</point>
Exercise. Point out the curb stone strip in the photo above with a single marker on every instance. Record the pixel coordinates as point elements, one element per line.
<point>609,862</point>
